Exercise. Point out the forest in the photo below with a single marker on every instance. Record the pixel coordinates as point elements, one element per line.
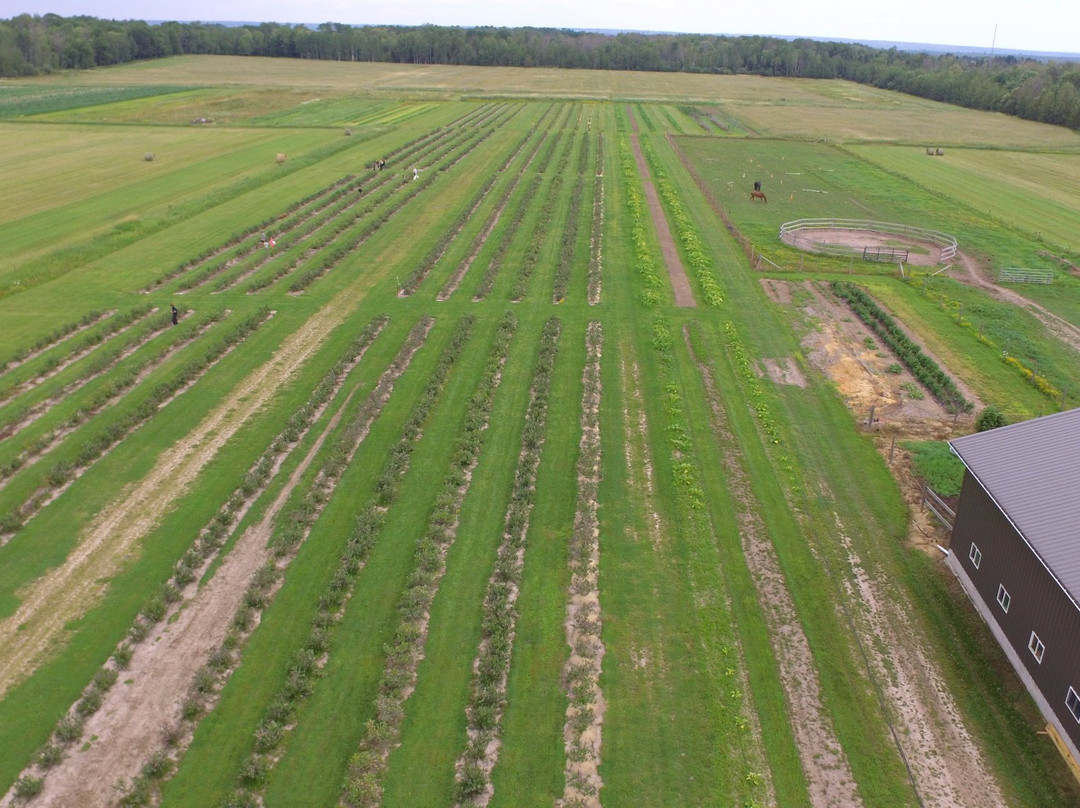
<point>1045,91</point>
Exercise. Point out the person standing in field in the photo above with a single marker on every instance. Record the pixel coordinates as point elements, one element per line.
<point>175,314</point>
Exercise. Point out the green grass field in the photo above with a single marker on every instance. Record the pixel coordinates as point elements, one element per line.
<point>225,526</point>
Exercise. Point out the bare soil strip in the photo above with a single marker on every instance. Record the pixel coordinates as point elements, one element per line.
<point>680,283</point>
<point>828,773</point>
<point>581,673</point>
<point>67,591</point>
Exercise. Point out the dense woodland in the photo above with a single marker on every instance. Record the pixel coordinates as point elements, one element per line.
<point>1047,91</point>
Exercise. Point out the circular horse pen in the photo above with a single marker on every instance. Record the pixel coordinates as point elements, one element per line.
<point>883,242</point>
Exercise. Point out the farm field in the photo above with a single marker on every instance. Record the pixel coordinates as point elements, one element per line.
<point>450,436</point>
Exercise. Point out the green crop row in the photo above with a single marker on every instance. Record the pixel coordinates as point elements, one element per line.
<point>693,248</point>
<point>643,255</point>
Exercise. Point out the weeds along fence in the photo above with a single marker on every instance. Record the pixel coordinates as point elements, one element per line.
<point>794,234</point>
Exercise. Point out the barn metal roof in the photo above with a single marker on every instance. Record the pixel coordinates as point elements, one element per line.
<point>1032,470</point>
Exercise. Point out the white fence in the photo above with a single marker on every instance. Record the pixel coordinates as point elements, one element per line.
<point>793,233</point>
<point>1022,275</point>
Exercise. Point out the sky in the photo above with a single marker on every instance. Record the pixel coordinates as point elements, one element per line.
<point>1026,25</point>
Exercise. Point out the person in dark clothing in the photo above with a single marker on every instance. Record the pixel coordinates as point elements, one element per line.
<point>175,314</point>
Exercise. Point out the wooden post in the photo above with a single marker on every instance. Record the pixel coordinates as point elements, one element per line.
<point>870,420</point>
<point>892,446</point>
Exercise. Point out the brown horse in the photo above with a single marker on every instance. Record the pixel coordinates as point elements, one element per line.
<point>758,195</point>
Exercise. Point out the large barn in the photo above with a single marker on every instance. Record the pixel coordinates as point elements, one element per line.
<point>1016,550</point>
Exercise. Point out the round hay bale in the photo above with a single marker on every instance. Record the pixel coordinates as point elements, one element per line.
<point>348,132</point>
<point>281,157</point>
<point>148,157</point>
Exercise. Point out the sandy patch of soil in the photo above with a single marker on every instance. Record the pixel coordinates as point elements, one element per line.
<point>920,253</point>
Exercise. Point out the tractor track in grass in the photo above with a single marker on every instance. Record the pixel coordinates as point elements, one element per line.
<point>65,592</point>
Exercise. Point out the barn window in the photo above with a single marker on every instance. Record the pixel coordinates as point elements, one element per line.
<point>1003,598</point>
<point>1072,701</point>
<point>1036,647</point>
<point>975,555</point>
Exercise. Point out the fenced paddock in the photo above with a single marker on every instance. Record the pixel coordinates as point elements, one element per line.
<point>1024,275</point>
<point>812,235</point>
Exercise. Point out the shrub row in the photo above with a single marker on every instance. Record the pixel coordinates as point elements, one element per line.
<point>240,243</point>
<point>79,348</point>
<point>96,445</point>
<point>291,528</point>
<point>58,334</point>
<point>443,244</point>
<point>108,393</point>
<point>925,369</point>
<point>693,248</point>
<point>492,220</point>
<point>492,666</point>
<point>194,561</point>
<point>596,237</point>
<point>330,232</point>
<point>309,276</point>
<point>583,614</point>
<point>540,228</point>
<point>570,231</point>
<point>513,226</point>
<point>362,785</point>
<point>211,538</point>
<point>639,230</point>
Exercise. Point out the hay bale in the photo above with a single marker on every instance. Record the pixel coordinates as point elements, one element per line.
<point>348,132</point>
<point>148,157</point>
<point>281,158</point>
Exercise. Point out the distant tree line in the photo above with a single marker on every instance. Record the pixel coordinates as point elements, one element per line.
<point>1025,87</point>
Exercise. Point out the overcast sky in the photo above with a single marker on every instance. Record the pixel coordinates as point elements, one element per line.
<point>1032,25</point>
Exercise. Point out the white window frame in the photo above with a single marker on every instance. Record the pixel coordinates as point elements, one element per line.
<point>1072,702</point>
<point>1004,599</point>
<point>1036,646</point>
<point>975,555</point>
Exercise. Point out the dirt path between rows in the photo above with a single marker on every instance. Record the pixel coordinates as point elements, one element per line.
<point>680,283</point>
<point>64,593</point>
